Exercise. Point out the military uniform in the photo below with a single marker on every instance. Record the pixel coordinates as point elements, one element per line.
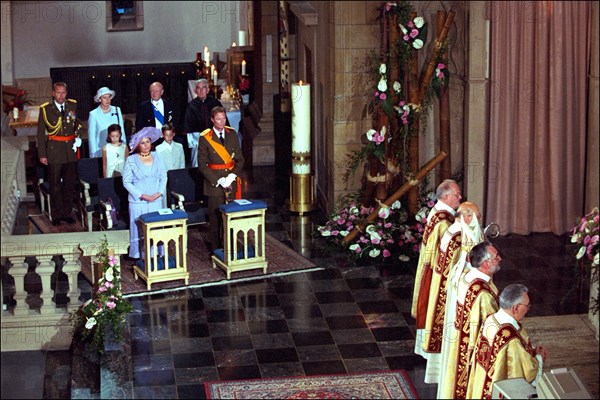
<point>213,167</point>
<point>55,138</point>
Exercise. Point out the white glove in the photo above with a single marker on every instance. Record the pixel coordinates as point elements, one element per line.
<point>76,144</point>
<point>229,179</point>
<point>222,182</point>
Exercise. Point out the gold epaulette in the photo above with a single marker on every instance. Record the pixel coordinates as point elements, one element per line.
<point>45,104</point>
<point>72,101</point>
<point>206,131</point>
<point>229,127</point>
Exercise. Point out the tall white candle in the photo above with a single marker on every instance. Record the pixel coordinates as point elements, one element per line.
<point>301,128</point>
<point>243,67</point>
<point>242,38</point>
<point>206,56</point>
<point>15,113</point>
<point>215,76</point>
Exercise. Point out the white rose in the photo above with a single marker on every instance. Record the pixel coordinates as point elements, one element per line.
<point>374,253</point>
<point>419,22</point>
<point>382,69</point>
<point>396,86</point>
<point>382,85</point>
<point>417,44</point>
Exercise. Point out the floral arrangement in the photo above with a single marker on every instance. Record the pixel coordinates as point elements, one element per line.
<point>107,310</point>
<point>389,236</point>
<point>440,79</point>
<point>19,101</point>
<point>585,233</point>
<point>414,33</point>
<point>244,84</point>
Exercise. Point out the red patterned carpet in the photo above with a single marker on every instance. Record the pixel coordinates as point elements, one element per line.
<point>366,385</point>
<point>280,259</point>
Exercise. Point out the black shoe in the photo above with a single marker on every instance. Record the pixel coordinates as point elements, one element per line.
<point>69,220</point>
<point>56,222</point>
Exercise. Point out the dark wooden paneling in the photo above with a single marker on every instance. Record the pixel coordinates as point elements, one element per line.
<point>131,83</point>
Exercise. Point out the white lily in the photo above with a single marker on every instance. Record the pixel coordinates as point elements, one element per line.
<point>374,253</point>
<point>396,86</point>
<point>382,85</point>
<point>109,275</point>
<point>384,212</point>
<point>382,69</point>
<point>396,205</point>
<point>403,29</point>
<point>89,324</point>
<point>344,233</point>
<point>581,252</point>
<point>354,246</point>
<point>371,229</point>
<point>417,44</point>
<point>354,210</point>
<point>326,233</point>
<point>370,134</point>
<point>419,22</point>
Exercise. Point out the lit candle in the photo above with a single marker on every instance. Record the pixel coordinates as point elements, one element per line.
<point>212,69</point>
<point>301,126</point>
<point>15,113</point>
<point>233,44</point>
<point>242,38</point>
<point>243,67</point>
<point>215,73</point>
<point>206,56</point>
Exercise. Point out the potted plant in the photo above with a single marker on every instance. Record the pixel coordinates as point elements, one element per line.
<point>103,318</point>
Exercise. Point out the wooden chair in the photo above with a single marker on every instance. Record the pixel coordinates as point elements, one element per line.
<point>113,204</point>
<point>185,187</point>
<point>89,170</point>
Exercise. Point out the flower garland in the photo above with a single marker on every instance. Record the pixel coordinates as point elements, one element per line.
<point>391,236</point>
<point>108,309</point>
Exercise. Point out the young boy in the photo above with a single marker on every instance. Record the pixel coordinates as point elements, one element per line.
<point>169,151</point>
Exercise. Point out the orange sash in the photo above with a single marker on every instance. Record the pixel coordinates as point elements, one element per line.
<point>65,139</point>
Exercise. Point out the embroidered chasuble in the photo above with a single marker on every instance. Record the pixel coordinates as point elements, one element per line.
<point>438,222</point>
<point>477,299</point>
<point>449,253</point>
<point>502,352</point>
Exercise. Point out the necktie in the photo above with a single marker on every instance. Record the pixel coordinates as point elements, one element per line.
<point>62,110</point>
<point>222,138</point>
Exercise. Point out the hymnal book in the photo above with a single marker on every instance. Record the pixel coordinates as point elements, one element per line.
<point>243,202</point>
<point>165,211</point>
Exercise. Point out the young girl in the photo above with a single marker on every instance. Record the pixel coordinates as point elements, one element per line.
<point>114,153</point>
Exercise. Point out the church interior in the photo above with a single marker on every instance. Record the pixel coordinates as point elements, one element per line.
<point>533,174</point>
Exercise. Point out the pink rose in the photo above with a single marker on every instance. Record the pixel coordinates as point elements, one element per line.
<point>414,33</point>
<point>386,253</point>
<point>383,96</point>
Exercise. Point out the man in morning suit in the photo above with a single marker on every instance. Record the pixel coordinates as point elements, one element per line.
<point>58,148</point>
<point>156,111</point>
<point>220,161</point>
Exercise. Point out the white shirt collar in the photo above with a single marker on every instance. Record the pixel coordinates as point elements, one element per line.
<point>440,205</point>
<point>58,105</point>
<point>475,273</point>
<point>505,318</point>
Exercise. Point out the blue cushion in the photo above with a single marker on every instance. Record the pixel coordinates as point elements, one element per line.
<point>156,217</point>
<point>235,207</point>
<point>161,263</point>
<point>240,255</point>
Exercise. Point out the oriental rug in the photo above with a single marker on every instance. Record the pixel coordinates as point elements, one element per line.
<point>364,385</point>
<point>43,224</point>
<point>281,260</point>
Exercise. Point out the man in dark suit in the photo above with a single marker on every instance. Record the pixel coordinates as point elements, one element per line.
<point>58,148</point>
<point>220,161</point>
<point>156,111</point>
<point>198,118</point>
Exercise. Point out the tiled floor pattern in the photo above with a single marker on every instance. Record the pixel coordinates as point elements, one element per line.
<point>344,318</point>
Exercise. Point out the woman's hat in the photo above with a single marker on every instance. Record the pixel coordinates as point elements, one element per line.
<point>102,91</point>
<point>150,132</point>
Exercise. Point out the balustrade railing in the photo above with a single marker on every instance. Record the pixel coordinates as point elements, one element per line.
<point>32,319</point>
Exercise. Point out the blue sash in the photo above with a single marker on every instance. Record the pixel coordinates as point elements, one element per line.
<point>158,115</point>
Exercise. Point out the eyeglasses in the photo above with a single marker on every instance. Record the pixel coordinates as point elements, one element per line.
<point>526,305</point>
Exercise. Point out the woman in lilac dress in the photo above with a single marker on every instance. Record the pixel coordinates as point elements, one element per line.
<point>145,178</point>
